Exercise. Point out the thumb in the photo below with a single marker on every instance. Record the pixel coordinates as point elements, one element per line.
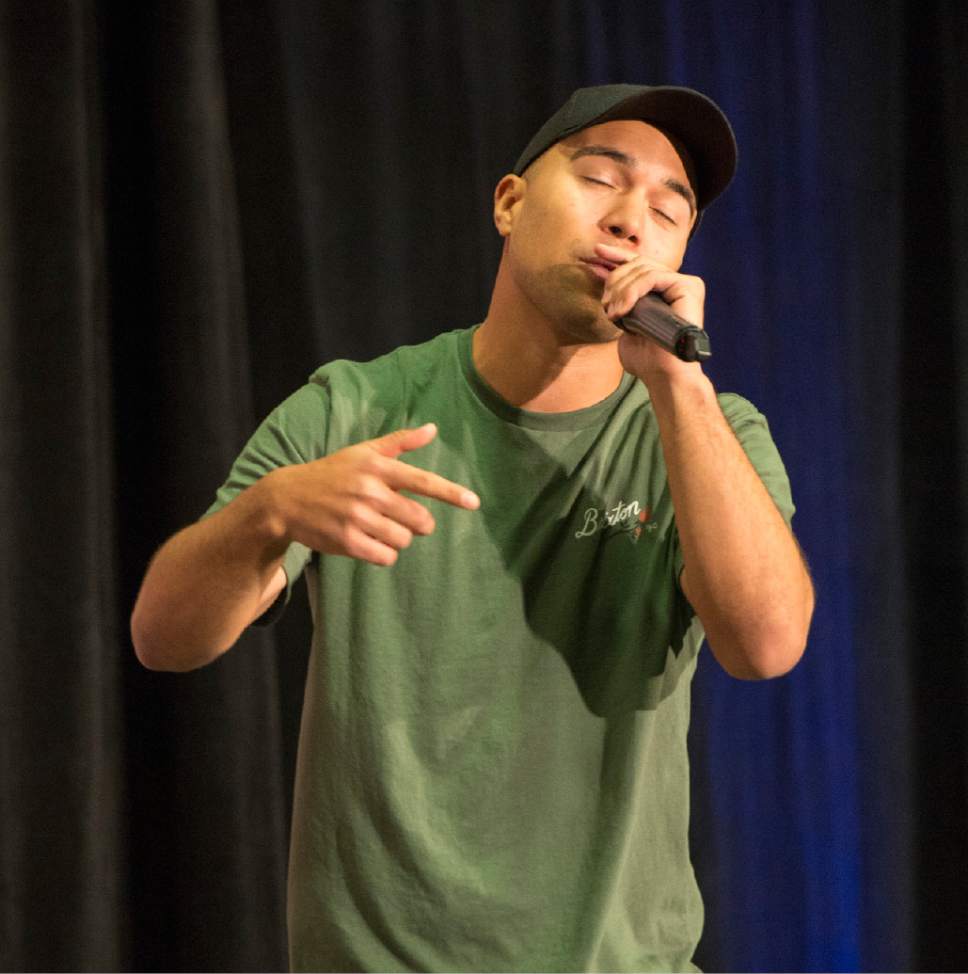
<point>400,441</point>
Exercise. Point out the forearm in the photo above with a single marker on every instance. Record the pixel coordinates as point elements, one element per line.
<point>207,583</point>
<point>744,573</point>
<point>214,578</point>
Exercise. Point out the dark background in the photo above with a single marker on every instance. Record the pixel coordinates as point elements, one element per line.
<point>201,201</point>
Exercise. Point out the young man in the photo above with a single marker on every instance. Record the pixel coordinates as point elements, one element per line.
<point>492,770</point>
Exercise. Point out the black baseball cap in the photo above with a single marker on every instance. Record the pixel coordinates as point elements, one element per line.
<point>696,121</point>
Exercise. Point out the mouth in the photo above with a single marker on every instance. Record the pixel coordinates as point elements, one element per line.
<point>600,267</point>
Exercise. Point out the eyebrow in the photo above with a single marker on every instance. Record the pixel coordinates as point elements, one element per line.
<point>631,162</point>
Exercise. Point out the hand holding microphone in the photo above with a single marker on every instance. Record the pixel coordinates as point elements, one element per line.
<point>650,314</point>
<point>654,319</point>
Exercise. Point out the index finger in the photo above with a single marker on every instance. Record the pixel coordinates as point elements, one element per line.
<point>404,476</point>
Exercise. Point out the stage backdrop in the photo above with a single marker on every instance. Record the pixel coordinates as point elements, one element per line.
<point>201,201</point>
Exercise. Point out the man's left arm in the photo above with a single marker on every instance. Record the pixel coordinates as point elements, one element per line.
<point>743,570</point>
<point>744,573</point>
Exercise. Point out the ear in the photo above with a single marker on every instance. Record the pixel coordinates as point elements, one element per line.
<point>507,195</point>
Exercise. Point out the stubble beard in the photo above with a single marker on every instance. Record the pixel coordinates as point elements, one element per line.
<point>565,295</point>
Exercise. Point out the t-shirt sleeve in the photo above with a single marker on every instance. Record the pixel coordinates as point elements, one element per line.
<point>294,432</point>
<point>753,433</point>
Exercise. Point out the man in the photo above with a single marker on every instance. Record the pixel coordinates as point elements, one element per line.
<point>492,771</point>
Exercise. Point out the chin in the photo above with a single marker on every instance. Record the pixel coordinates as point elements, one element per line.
<point>592,328</point>
<point>575,309</point>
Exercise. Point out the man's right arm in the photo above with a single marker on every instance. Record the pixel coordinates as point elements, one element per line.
<point>208,583</point>
<point>212,579</point>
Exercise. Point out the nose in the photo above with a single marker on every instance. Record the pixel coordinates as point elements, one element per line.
<point>620,231</point>
<point>624,220</point>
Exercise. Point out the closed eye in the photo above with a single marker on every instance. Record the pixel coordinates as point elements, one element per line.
<point>664,216</point>
<point>598,182</point>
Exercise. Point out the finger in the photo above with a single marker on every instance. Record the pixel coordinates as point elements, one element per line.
<point>619,298</point>
<point>381,528</point>
<point>358,544</point>
<point>403,476</point>
<point>685,295</point>
<point>631,275</point>
<point>400,441</point>
<point>632,281</point>
<point>624,272</point>
<point>411,514</point>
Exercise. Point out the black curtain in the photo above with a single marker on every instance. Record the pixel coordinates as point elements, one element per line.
<point>933,399</point>
<point>201,201</point>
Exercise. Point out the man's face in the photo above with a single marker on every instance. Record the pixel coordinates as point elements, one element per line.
<point>621,183</point>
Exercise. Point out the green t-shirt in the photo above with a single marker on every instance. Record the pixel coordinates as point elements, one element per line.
<point>492,768</point>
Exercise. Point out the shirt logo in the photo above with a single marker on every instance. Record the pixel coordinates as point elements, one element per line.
<point>629,519</point>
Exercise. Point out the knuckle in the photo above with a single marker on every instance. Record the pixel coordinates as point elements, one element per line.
<point>365,454</point>
<point>355,453</point>
<point>370,488</point>
<point>368,463</point>
<point>356,510</point>
<point>353,549</point>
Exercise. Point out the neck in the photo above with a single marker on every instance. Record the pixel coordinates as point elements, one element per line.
<point>523,356</point>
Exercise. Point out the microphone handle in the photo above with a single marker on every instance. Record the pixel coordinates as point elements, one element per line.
<point>654,319</point>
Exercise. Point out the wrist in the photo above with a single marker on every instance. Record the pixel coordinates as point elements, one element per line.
<point>264,514</point>
<point>688,384</point>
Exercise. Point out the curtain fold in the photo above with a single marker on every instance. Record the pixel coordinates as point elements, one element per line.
<point>206,825</point>
<point>61,714</point>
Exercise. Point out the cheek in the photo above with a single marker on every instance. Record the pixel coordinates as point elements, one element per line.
<point>668,250</point>
<point>550,227</point>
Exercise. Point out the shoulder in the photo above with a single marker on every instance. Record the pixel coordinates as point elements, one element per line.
<point>753,432</point>
<point>389,373</point>
<point>367,399</point>
<point>744,417</point>
<point>738,409</point>
<point>748,423</point>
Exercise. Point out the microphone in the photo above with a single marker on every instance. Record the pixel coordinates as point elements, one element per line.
<point>654,319</point>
